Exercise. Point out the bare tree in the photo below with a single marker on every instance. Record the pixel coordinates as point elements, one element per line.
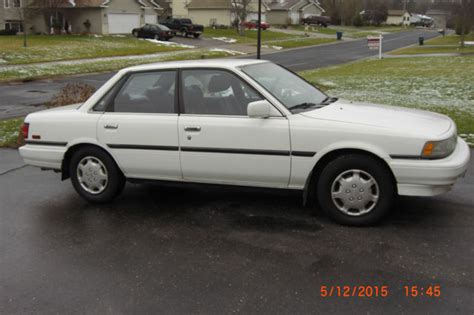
<point>240,10</point>
<point>465,22</point>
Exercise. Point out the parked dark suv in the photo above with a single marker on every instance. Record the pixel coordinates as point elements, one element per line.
<point>184,27</point>
<point>317,20</point>
<point>156,31</point>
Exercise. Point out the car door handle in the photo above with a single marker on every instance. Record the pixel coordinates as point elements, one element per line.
<point>111,126</point>
<point>192,129</point>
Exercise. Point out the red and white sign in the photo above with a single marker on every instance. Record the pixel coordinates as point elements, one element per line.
<point>375,42</point>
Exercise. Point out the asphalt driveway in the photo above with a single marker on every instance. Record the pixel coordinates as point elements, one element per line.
<point>213,250</point>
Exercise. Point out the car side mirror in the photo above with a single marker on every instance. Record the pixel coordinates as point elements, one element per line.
<point>261,109</point>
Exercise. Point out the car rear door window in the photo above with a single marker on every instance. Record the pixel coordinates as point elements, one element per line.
<point>215,92</point>
<point>148,92</point>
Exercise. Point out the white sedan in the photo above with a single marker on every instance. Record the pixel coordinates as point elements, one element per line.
<point>248,123</point>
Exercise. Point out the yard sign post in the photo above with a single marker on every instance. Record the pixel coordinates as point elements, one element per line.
<point>375,43</point>
<point>259,29</point>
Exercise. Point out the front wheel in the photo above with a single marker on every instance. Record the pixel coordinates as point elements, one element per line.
<point>95,176</point>
<point>135,34</point>
<point>356,190</point>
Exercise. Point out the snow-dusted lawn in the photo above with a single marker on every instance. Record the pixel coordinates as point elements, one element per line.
<point>9,130</point>
<point>441,84</point>
<point>439,45</point>
<point>36,71</point>
<point>42,48</point>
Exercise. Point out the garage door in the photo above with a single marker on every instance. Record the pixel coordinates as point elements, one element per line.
<point>123,23</point>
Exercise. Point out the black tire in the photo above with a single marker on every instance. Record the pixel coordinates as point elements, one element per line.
<point>135,34</point>
<point>157,37</point>
<point>115,181</point>
<point>196,35</point>
<point>348,165</point>
<point>184,32</point>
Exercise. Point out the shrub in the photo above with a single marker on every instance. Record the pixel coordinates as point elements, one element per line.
<point>357,20</point>
<point>72,93</point>
<point>459,27</point>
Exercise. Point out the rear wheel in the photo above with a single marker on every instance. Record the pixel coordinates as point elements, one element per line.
<point>196,35</point>
<point>157,37</point>
<point>356,190</point>
<point>95,176</point>
<point>135,34</point>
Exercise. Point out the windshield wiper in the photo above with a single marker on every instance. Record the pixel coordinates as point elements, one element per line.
<point>303,106</point>
<point>328,100</point>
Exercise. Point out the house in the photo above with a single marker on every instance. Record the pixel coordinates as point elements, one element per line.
<point>213,12</point>
<point>91,16</point>
<point>398,17</point>
<point>210,12</point>
<point>291,11</point>
<point>10,15</point>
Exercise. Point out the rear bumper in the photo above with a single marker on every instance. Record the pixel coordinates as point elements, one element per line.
<point>43,155</point>
<point>430,177</point>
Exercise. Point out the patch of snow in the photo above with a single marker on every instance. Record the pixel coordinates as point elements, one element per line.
<point>277,47</point>
<point>226,39</point>
<point>469,43</point>
<point>118,35</point>
<point>230,52</point>
<point>171,44</point>
<point>329,84</point>
<point>2,61</point>
<point>97,36</point>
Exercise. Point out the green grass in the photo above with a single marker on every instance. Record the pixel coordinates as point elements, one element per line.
<point>43,48</point>
<point>300,42</point>
<point>440,84</point>
<point>32,72</point>
<point>438,45</point>
<point>249,37</point>
<point>9,130</point>
<point>352,31</point>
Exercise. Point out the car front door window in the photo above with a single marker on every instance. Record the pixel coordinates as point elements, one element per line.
<point>216,92</point>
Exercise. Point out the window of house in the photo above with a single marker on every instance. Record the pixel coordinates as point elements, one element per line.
<point>148,92</point>
<point>6,3</point>
<point>14,26</point>
<point>216,92</point>
<point>15,3</point>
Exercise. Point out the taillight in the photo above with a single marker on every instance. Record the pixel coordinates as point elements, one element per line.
<point>25,129</point>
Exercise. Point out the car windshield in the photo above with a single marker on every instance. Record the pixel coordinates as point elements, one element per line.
<point>185,21</point>
<point>291,90</point>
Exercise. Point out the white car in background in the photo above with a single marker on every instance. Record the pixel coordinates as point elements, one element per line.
<point>249,123</point>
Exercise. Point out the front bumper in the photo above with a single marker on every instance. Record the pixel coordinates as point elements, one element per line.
<point>430,177</point>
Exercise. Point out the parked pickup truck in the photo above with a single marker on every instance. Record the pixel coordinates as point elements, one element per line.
<point>184,27</point>
<point>317,20</point>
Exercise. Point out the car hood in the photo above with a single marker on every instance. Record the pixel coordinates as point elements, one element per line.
<point>395,119</point>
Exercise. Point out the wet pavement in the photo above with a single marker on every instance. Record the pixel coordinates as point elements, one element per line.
<point>161,249</point>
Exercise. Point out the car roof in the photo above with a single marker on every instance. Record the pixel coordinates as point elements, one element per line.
<point>199,63</point>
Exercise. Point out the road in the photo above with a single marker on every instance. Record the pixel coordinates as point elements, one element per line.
<point>210,250</point>
<point>21,98</point>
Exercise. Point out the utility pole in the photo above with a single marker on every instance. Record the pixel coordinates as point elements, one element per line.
<point>259,29</point>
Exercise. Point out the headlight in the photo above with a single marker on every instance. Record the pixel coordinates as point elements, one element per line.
<point>439,149</point>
